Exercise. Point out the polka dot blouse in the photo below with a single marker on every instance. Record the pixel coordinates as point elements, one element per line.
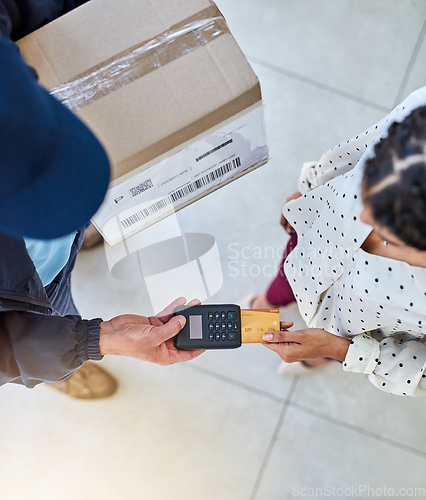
<point>379,303</point>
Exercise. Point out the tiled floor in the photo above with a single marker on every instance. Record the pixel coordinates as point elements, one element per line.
<point>225,426</point>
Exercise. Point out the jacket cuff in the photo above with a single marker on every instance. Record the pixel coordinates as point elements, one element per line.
<point>363,355</point>
<point>87,332</point>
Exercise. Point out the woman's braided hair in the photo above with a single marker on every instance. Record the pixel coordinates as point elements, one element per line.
<point>395,180</point>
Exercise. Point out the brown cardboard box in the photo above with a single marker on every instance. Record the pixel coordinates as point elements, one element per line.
<point>149,77</point>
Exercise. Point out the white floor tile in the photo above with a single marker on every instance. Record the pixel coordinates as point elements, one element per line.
<point>417,76</point>
<point>351,398</point>
<point>253,366</point>
<point>313,453</point>
<point>169,434</point>
<point>354,47</point>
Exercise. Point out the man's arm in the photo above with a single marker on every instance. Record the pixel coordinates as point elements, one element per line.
<point>36,348</point>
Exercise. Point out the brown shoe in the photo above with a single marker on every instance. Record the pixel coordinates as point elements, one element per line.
<point>88,382</point>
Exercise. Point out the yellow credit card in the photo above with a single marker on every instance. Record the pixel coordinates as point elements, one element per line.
<point>256,322</point>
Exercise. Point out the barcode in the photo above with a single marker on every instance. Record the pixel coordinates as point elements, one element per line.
<point>140,188</point>
<point>214,150</point>
<point>180,193</point>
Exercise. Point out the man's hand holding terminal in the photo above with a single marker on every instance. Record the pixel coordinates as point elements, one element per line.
<point>147,339</point>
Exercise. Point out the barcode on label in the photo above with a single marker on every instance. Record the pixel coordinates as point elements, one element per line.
<point>140,188</point>
<point>180,193</point>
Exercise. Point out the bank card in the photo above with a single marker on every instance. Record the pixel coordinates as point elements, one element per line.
<point>256,322</point>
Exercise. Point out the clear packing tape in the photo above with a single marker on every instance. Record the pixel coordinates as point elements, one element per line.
<point>142,59</point>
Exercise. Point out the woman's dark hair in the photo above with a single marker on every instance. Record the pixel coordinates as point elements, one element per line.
<point>395,180</point>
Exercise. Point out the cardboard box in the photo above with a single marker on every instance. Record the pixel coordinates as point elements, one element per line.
<point>168,92</point>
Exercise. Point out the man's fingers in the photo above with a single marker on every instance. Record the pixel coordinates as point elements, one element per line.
<point>172,324</point>
<point>186,355</point>
<point>169,329</point>
<point>167,312</point>
<point>194,302</point>
<point>155,321</point>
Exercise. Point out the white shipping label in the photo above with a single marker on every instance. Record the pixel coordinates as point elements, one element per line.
<point>201,167</point>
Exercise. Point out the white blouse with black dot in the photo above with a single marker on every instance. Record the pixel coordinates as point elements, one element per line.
<point>378,302</point>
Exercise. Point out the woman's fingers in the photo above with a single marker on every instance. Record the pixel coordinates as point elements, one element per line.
<point>276,336</point>
<point>286,336</point>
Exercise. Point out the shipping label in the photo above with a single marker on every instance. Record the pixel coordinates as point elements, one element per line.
<point>196,170</point>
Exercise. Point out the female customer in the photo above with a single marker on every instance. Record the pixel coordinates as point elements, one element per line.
<point>358,270</point>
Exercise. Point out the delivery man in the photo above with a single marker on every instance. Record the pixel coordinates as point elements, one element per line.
<point>54,175</point>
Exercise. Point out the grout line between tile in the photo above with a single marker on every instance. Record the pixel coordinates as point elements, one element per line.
<point>241,385</point>
<point>317,84</point>
<point>359,430</point>
<point>410,65</point>
<point>274,438</point>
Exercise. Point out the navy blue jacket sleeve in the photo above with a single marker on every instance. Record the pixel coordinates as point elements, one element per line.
<point>35,345</point>
<point>20,17</point>
<point>37,348</point>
